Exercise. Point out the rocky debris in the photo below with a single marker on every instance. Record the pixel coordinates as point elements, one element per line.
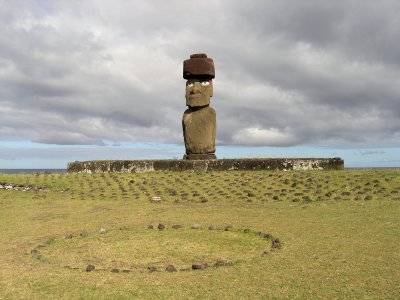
<point>114,270</point>
<point>267,236</point>
<point>126,271</point>
<point>196,226</point>
<point>150,226</point>
<point>36,254</point>
<point>84,234</point>
<point>102,231</point>
<point>265,253</point>
<point>152,268</point>
<point>176,226</point>
<point>18,187</point>
<point>276,244</point>
<point>247,230</point>
<point>212,227</point>
<point>155,199</point>
<point>223,262</point>
<point>90,268</point>
<point>69,236</point>
<point>228,228</point>
<point>203,199</point>
<point>161,226</point>
<point>199,266</point>
<point>170,269</point>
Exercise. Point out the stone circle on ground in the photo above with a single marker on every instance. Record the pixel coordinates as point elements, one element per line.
<point>82,250</point>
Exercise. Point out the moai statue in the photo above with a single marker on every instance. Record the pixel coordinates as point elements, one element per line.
<point>199,120</point>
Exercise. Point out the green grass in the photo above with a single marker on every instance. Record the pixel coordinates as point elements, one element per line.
<point>339,230</point>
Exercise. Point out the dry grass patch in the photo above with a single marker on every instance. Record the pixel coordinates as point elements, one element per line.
<point>339,232</point>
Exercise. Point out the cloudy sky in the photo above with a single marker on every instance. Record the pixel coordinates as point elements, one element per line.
<point>101,79</point>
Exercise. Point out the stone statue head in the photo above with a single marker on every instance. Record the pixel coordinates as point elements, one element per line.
<point>198,92</point>
<point>199,71</point>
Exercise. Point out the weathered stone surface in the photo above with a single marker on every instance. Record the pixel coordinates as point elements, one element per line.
<point>199,266</point>
<point>198,66</point>
<point>139,166</point>
<point>170,269</point>
<point>198,92</point>
<point>90,268</point>
<point>196,226</point>
<point>200,156</point>
<point>199,130</point>
<point>223,262</point>
<point>152,268</point>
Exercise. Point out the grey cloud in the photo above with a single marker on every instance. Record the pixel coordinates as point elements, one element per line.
<point>287,73</point>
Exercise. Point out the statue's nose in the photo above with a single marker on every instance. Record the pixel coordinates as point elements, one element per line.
<point>196,88</point>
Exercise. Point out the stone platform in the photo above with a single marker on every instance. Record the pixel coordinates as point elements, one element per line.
<point>138,166</point>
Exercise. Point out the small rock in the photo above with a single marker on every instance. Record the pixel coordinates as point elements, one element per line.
<point>102,231</point>
<point>90,268</point>
<point>276,244</point>
<point>36,254</point>
<point>155,199</point>
<point>150,227</point>
<point>212,227</point>
<point>196,226</point>
<point>199,266</point>
<point>247,230</point>
<point>223,262</point>
<point>69,236</point>
<point>268,236</point>
<point>228,227</point>
<point>115,270</point>
<point>368,197</point>
<point>152,268</point>
<point>126,271</point>
<point>176,226</point>
<point>170,268</point>
<point>265,253</point>
<point>84,234</point>
<point>161,226</point>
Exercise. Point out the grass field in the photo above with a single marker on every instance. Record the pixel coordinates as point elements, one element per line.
<point>313,234</point>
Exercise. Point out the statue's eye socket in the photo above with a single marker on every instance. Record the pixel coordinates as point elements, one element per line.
<point>205,83</point>
<point>190,85</point>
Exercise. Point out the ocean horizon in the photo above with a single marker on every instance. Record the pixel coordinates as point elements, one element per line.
<point>31,171</point>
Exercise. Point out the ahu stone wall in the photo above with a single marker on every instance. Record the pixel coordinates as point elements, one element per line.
<point>138,166</point>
